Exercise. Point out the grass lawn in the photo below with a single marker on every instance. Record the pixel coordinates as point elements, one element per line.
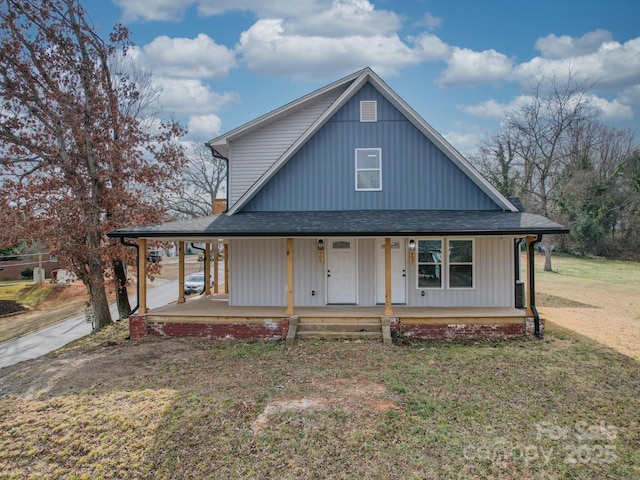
<point>564,407</point>
<point>48,303</point>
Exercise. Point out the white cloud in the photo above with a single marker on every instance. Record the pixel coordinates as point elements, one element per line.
<point>262,8</point>
<point>494,109</point>
<point>429,21</point>
<point>467,68</point>
<point>161,10</point>
<point>565,46</point>
<point>431,47</point>
<point>191,97</point>
<point>345,18</point>
<point>266,48</point>
<point>203,127</point>
<point>173,10</point>
<point>611,110</point>
<point>200,57</point>
<point>613,66</point>
<point>463,142</point>
<point>630,96</point>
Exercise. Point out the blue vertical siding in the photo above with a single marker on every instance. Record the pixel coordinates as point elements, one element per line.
<point>415,173</point>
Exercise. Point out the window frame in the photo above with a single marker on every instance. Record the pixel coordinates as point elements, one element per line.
<point>472,263</point>
<point>442,241</point>
<point>446,263</point>
<point>378,169</point>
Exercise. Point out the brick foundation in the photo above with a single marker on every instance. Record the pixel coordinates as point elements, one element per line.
<point>285,327</point>
<point>530,326</point>
<point>223,331</point>
<point>137,327</point>
<point>462,331</point>
<point>269,329</point>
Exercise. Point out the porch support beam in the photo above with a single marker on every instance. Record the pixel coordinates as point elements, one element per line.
<point>215,267</point>
<point>289,311</point>
<point>530,264</point>
<point>388,310</point>
<point>181,272</point>
<point>207,269</point>
<point>142,275</point>
<point>226,268</point>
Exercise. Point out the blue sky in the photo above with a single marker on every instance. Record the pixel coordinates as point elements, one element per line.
<point>459,63</point>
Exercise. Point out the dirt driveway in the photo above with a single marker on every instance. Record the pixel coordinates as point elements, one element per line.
<point>605,307</point>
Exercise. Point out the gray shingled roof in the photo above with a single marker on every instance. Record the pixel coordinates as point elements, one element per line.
<point>351,223</point>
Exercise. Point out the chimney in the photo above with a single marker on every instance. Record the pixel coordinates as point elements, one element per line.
<point>218,206</point>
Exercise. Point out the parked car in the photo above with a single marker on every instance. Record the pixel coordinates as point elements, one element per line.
<point>154,256</point>
<point>194,283</point>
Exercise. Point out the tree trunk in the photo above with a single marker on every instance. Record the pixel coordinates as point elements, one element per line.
<point>122,297</point>
<point>547,255</point>
<point>97,294</point>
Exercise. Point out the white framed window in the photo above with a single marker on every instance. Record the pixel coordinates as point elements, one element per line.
<point>368,169</point>
<point>460,267</point>
<point>368,111</point>
<point>430,263</point>
<point>445,263</point>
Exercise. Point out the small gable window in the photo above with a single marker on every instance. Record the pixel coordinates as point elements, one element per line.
<point>368,111</point>
<point>368,169</point>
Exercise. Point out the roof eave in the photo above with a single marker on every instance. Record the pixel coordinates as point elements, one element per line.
<point>322,233</point>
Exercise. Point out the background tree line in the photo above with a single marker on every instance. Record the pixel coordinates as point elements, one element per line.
<point>559,157</point>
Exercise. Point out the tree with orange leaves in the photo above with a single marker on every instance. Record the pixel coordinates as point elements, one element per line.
<point>74,162</point>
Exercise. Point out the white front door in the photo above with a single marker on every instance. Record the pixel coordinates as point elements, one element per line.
<point>342,279</point>
<point>398,271</point>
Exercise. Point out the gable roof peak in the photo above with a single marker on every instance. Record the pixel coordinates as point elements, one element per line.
<point>350,85</point>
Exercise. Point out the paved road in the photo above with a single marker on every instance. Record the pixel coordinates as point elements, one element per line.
<point>55,336</point>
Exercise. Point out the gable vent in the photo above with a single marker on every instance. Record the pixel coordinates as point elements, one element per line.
<point>368,111</point>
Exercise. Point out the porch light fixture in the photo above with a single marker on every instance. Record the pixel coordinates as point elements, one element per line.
<point>412,251</point>
<point>320,251</point>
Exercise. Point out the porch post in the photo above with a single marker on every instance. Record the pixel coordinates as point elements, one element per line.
<point>226,268</point>
<point>388,310</point>
<point>530,264</point>
<point>142,275</point>
<point>289,311</point>
<point>181,271</point>
<point>207,269</point>
<point>215,268</point>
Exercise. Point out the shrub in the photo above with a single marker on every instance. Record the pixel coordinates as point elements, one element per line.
<point>27,273</point>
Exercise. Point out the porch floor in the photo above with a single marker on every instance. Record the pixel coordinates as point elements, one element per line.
<point>216,308</point>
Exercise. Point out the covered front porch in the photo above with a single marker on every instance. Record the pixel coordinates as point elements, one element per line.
<point>458,274</point>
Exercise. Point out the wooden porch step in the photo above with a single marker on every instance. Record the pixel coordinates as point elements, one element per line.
<point>339,320</point>
<point>329,335</point>
<point>339,328</point>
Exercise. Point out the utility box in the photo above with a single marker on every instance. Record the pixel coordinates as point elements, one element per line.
<point>519,294</point>
<point>38,275</point>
